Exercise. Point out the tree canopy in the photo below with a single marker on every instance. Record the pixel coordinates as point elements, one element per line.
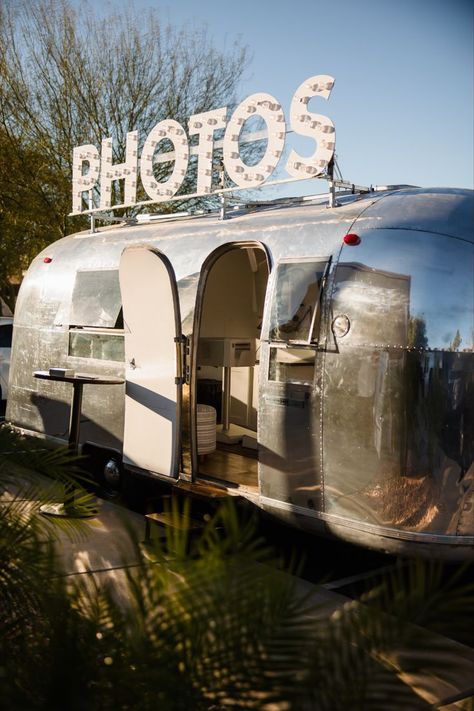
<point>70,77</point>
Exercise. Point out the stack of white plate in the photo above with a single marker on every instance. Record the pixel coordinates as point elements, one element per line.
<point>206,429</point>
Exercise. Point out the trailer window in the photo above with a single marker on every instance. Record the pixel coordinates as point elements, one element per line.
<point>295,311</point>
<point>96,299</point>
<point>99,346</point>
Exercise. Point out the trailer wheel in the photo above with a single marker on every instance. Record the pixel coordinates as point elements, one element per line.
<point>112,477</point>
<point>106,469</point>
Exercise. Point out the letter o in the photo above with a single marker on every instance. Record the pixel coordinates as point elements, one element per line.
<point>266,106</point>
<point>174,132</point>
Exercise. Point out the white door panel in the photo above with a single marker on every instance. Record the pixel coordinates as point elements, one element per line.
<point>152,395</point>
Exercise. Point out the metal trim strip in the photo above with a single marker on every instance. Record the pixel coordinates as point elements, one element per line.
<point>369,527</point>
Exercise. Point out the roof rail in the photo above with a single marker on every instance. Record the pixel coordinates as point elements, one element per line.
<point>345,189</point>
<point>402,186</point>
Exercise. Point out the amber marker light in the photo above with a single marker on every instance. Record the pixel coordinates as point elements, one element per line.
<point>352,239</point>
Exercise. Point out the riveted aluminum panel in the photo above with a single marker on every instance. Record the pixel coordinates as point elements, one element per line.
<point>447,211</point>
<point>399,384</point>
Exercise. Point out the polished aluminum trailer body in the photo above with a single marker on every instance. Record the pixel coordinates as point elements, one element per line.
<point>365,419</point>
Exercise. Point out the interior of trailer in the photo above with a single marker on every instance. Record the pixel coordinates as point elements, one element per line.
<point>227,367</point>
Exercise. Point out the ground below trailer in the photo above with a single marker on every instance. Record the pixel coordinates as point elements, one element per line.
<point>103,550</point>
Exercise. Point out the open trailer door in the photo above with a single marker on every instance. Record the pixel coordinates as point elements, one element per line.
<point>153,385</point>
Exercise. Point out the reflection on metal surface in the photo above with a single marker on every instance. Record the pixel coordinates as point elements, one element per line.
<point>402,385</point>
<point>375,531</point>
<point>375,303</point>
<point>416,288</point>
<point>407,458</point>
<point>423,503</point>
<point>341,325</point>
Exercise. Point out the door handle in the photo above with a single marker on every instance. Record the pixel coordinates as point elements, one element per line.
<point>132,363</point>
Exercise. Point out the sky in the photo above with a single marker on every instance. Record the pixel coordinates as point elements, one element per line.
<point>403,100</point>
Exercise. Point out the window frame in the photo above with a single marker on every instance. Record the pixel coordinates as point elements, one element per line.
<point>76,317</point>
<point>96,331</point>
<point>311,341</point>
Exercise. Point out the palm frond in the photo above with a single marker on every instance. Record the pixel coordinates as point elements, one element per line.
<point>32,471</point>
<point>209,622</point>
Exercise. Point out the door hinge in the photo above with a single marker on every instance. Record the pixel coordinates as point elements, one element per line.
<point>182,360</point>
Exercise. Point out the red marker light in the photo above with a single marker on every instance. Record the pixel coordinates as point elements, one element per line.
<point>47,260</point>
<point>352,239</point>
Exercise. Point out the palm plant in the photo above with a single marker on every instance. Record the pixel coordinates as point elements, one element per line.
<point>208,623</point>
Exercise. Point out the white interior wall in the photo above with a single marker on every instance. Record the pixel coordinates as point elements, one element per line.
<point>232,301</point>
<point>233,307</point>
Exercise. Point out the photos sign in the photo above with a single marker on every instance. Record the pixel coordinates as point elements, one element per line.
<point>95,170</point>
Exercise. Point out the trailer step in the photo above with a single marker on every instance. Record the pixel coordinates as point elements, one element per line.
<point>171,520</point>
<point>200,491</point>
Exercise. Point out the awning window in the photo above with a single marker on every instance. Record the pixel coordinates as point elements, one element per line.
<point>96,299</point>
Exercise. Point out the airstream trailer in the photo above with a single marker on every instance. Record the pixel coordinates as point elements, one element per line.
<point>333,345</point>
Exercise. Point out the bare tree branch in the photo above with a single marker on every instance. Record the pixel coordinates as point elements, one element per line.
<point>66,79</point>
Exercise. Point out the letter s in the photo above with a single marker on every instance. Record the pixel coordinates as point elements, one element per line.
<point>316,126</point>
